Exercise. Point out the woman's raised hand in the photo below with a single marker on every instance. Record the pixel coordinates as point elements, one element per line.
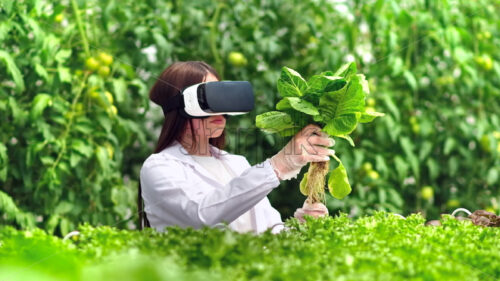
<point>308,145</point>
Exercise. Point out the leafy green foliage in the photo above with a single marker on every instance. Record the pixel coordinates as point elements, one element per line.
<point>338,182</point>
<point>433,67</point>
<point>334,101</point>
<point>382,246</point>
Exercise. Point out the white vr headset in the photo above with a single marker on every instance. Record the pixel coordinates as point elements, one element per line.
<point>213,98</point>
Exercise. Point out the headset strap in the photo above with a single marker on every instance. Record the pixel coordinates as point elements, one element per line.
<point>173,103</point>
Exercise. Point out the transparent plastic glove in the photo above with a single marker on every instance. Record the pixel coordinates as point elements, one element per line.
<point>315,210</point>
<point>308,145</point>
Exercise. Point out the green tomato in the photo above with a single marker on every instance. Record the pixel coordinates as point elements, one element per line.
<point>479,60</point>
<point>453,203</point>
<point>367,166</point>
<point>415,128</point>
<point>103,71</point>
<point>427,192</point>
<point>110,150</point>
<point>79,107</point>
<point>488,63</point>
<point>109,96</point>
<point>370,102</point>
<point>96,97</point>
<point>59,18</point>
<point>485,143</point>
<point>373,175</point>
<point>413,120</point>
<point>92,64</point>
<point>114,110</point>
<point>105,58</point>
<point>370,109</point>
<point>237,59</point>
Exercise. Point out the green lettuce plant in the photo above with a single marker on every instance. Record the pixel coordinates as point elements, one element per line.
<point>335,101</point>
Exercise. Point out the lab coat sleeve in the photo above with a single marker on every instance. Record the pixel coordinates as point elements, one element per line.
<point>174,199</point>
<point>272,216</point>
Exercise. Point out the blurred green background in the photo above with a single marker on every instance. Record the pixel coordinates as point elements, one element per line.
<point>76,123</point>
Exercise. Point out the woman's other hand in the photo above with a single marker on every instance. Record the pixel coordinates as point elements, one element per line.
<point>308,145</point>
<point>315,210</point>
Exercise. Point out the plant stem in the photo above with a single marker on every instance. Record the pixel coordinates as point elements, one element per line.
<point>213,38</point>
<point>69,124</point>
<point>79,23</point>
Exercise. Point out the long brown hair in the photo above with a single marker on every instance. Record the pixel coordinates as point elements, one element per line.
<point>175,78</point>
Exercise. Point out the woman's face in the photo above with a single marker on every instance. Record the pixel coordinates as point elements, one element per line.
<point>211,127</point>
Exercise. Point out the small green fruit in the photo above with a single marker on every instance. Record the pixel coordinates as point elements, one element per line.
<point>453,203</point>
<point>367,166</point>
<point>105,58</point>
<point>59,18</point>
<point>485,143</point>
<point>427,192</point>
<point>92,64</point>
<point>237,59</point>
<point>373,175</point>
<point>103,71</point>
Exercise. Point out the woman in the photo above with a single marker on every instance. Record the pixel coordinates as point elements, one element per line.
<point>190,181</point>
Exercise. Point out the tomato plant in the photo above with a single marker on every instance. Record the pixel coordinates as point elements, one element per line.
<point>433,67</point>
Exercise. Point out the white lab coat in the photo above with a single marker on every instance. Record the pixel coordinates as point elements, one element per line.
<point>179,191</point>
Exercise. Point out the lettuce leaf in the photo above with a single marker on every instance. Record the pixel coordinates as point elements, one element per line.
<point>338,182</point>
<point>274,121</point>
<point>297,104</point>
<point>291,84</point>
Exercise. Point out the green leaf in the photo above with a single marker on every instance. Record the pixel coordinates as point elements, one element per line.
<point>40,70</point>
<point>63,207</point>
<point>303,184</point>
<point>346,70</point>
<point>297,104</point>
<point>102,158</point>
<point>433,168</point>
<point>13,70</point>
<point>364,83</point>
<point>341,109</point>
<point>492,176</point>
<point>323,83</point>
<point>348,139</point>
<point>64,226</point>
<point>64,74</point>
<point>341,125</point>
<point>52,222</point>
<point>338,183</point>
<point>4,160</point>
<point>40,102</point>
<point>410,78</point>
<point>63,55</point>
<point>290,83</point>
<point>401,167</point>
<point>369,116</point>
<point>82,147</point>
<point>274,121</point>
<point>449,145</point>
<point>408,148</point>
<point>120,88</point>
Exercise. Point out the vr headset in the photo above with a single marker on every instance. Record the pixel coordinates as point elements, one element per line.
<point>213,98</point>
